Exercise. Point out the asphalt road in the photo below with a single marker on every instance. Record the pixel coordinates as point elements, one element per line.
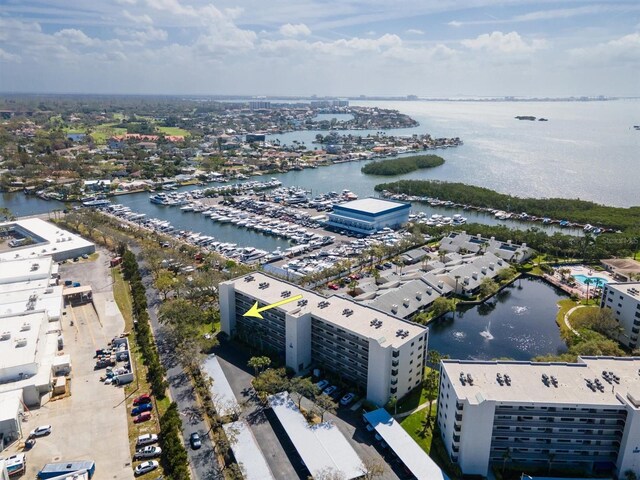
<point>204,465</point>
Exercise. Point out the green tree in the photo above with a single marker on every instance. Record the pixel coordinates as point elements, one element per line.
<point>271,381</point>
<point>443,306</point>
<point>324,403</point>
<point>487,287</point>
<point>165,282</point>
<point>300,387</point>
<point>259,364</point>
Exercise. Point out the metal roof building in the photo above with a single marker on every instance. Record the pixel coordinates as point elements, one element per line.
<point>369,215</point>
<point>322,447</point>
<point>247,452</point>
<point>407,450</point>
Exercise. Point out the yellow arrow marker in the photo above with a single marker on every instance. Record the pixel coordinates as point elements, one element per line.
<point>255,311</point>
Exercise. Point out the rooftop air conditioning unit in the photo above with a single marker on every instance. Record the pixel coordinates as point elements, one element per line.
<point>492,266</point>
<point>405,302</point>
<point>475,275</point>
<point>25,326</point>
<point>418,295</point>
<point>21,342</point>
<point>394,308</point>
<point>466,280</point>
<point>5,336</point>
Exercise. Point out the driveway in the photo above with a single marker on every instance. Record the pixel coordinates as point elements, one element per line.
<point>203,461</point>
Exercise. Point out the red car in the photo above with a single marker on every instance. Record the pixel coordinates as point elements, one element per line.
<point>333,286</point>
<point>143,417</point>
<point>144,398</point>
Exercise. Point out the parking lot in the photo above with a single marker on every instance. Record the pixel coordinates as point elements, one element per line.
<point>91,423</point>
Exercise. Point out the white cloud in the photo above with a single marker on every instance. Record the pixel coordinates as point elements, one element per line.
<point>500,42</point>
<point>415,31</point>
<point>8,57</point>
<point>144,18</point>
<point>625,49</point>
<point>298,30</point>
<point>145,35</point>
<point>73,36</point>
<point>126,2</point>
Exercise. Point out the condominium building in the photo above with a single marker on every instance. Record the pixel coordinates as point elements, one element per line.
<point>623,299</point>
<point>583,415</point>
<point>382,354</point>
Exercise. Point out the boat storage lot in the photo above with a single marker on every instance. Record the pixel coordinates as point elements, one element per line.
<point>91,423</point>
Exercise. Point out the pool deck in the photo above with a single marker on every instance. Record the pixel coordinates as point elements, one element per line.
<point>579,289</point>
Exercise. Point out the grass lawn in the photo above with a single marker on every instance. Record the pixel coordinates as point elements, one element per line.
<point>414,426</point>
<point>565,306</point>
<point>416,397</point>
<point>174,131</point>
<point>578,318</point>
<point>122,296</point>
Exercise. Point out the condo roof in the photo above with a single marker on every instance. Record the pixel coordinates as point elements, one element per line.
<point>527,384</point>
<point>336,310</point>
<point>630,288</point>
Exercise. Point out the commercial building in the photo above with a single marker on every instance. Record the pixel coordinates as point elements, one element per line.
<point>31,305</point>
<point>382,354</point>
<point>623,299</point>
<point>368,215</point>
<point>33,237</point>
<point>11,409</point>
<point>573,416</point>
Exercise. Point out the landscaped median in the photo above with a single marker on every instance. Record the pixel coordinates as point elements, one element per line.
<point>130,296</point>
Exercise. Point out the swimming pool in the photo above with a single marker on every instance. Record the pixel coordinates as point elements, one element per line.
<point>595,281</point>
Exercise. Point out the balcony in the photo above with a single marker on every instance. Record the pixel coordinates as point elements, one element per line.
<point>394,372</point>
<point>456,438</point>
<point>395,363</point>
<point>395,354</point>
<point>458,417</point>
<point>394,381</point>
<point>393,390</point>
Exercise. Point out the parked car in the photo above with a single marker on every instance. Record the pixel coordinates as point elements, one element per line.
<point>144,398</point>
<point>41,431</point>
<point>330,390</point>
<point>332,286</point>
<point>146,439</point>
<point>145,407</point>
<point>322,384</point>
<point>145,467</point>
<point>347,399</point>
<point>195,441</point>
<point>148,452</point>
<point>143,417</point>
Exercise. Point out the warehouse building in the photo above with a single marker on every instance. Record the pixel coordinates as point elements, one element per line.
<point>557,416</point>
<point>382,354</point>
<point>368,215</point>
<point>33,237</point>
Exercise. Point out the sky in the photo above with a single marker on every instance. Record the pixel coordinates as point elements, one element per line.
<point>429,48</point>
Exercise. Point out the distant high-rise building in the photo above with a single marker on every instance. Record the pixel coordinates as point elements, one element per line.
<point>259,105</point>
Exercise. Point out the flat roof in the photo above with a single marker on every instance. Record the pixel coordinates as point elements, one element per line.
<point>10,405</point>
<point>222,395</point>
<point>628,288</point>
<point>15,301</point>
<point>14,354</point>
<point>372,205</point>
<point>56,241</point>
<point>27,269</point>
<point>527,385</point>
<point>359,322</point>
<point>322,447</point>
<point>414,458</point>
<point>247,452</point>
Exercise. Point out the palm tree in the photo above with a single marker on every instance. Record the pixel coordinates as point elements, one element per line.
<point>588,282</point>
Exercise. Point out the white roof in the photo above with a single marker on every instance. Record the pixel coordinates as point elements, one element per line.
<point>51,240</point>
<point>15,297</point>
<point>17,354</point>
<point>28,269</point>
<point>223,398</point>
<point>247,452</point>
<point>414,458</point>
<point>629,288</point>
<point>527,385</point>
<point>10,405</point>
<point>359,322</point>
<point>322,447</point>
<point>371,205</point>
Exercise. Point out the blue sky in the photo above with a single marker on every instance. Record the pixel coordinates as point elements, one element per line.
<point>323,47</point>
